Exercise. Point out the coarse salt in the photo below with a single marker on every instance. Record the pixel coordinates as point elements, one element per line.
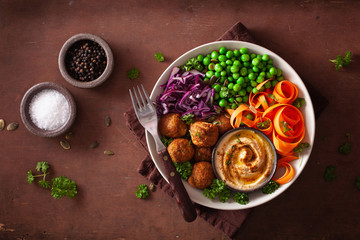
<point>49,109</point>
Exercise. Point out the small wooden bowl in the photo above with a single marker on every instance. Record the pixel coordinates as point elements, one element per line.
<point>25,105</point>
<point>109,63</point>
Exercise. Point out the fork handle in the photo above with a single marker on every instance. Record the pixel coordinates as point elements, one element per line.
<point>182,198</point>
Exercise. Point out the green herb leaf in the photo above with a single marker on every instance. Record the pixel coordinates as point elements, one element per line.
<point>44,184</point>
<point>188,118</point>
<point>224,195</point>
<point>184,169</point>
<point>42,167</point>
<point>166,141</point>
<point>264,125</point>
<point>299,102</point>
<point>30,177</point>
<point>300,147</point>
<point>142,191</point>
<point>342,61</point>
<point>241,198</point>
<point>159,57</point>
<point>270,187</point>
<point>329,174</point>
<point>357,183</point>
<point>133,73</point>
<point>285,126</point>
<point>193,63</point>
<point>62,186</point>
<point>345,148</point>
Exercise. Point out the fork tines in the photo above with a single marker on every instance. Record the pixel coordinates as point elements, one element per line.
<point>144,101</point>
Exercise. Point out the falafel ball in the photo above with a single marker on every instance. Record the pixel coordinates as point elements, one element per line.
<point>181,150</point>
<point>223,123</point>
<point>171,125</point>
<point>204,134</point>
<point>202,154</point>
<point>202,175</point>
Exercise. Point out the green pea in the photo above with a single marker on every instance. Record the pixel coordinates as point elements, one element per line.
<point>237,63</point>
<point>280,78</point>
<point>233,106</point>
<point>268,75</point>
<point>200,57</point>
<point>267,85</point>
<point>243,71</point>
<point>222,58</point>
<point>241,80</point>
<point>239,99</point>
<point>246,64</point>
<point>260,80</point>
<point>253,83</point>
<point>236,87</point>
<point>256,69</point>
<point>222,102</point>
<point>253,55</point>
<point>265,57</point>
<point>222,50</point>
<point>230,78</point>
<point>234,69</point>
<point>229,54</point>
<point>249,89</point>
<point>230,86</point>
<point>218,67</point>
<point>245,99</point>
<point>209,74</point>
<point>255,90</point>
<point>242,92</point>
<point>236,53</point>
<point>255,61</point>
<point>223,64</point>
<point>250,116</point>
<point>245,57</point>
<point>217,74</point>
<point>223,73</point>
<point>214,55</point>
<point>279,72</point>
<point>217,87</point>
<point>206,61</point>
<point>211,66</point>
<point>270,61</point>
<point>251,76</point>
<point>273,71</point>
<point>231,99</point>
<point>273,83</point>
<point>223,94</point>
<point>216,96</point>
<point>244,50</point>
<point>228,62</point>
<point>236,75</point>
<point>262,74</point>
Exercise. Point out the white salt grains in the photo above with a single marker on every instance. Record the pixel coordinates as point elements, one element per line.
<point>49,109</point>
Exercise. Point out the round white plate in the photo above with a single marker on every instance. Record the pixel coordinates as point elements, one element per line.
<point>255,198</point>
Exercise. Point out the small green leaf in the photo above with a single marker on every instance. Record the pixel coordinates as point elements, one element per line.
<point>159,57</point>
<point>44,184</point>
<point>62,186</point>
<point>329,174</point>
<point>42,167</point>
<point>30,177</point>
<point>142,191</point>
<point>133,73</point>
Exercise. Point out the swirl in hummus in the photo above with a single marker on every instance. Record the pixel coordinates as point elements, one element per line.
<point>244,159</point>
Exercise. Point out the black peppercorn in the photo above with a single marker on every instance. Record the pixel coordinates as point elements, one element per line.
<point>85,60</point>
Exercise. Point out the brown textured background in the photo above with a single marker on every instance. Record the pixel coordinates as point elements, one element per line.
<point>304,33</point>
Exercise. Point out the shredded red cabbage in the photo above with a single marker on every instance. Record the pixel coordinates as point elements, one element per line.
<point>186,93</point>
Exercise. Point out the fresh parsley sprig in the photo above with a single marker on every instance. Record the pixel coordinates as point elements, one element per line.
<point>341,61</point>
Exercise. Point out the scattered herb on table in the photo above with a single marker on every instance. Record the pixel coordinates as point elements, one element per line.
<point>357,183</point>
<point>329,174</point>
<point>61,186</point>
<point>142,191</point>
<point>300,147</point>
<point>270,187</point>
<point>346,147</point>
<point>184,169</point>
<point>341,61</point>
<point>241,198</point>
<point>159,57</point>
<point>133,73</point>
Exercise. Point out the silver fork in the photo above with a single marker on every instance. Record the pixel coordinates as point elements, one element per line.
<point>146,114</point>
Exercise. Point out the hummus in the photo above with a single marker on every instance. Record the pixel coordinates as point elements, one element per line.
<point>244,159</point>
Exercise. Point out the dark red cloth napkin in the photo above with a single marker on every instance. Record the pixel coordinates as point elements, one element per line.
<point>228,222</point>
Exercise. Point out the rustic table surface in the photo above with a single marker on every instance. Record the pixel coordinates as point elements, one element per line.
<point>305,33</point>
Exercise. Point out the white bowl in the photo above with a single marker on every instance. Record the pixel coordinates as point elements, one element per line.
<point>255,198</point>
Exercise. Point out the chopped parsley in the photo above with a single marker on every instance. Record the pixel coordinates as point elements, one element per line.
<point>299,102</point>
<point>133,73</point>
<point>329,174</point>
<point>188,118</point>
<point>341,61</point>
<point>263,125</point>
<point>159,57</point>
<point>300,147</point>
